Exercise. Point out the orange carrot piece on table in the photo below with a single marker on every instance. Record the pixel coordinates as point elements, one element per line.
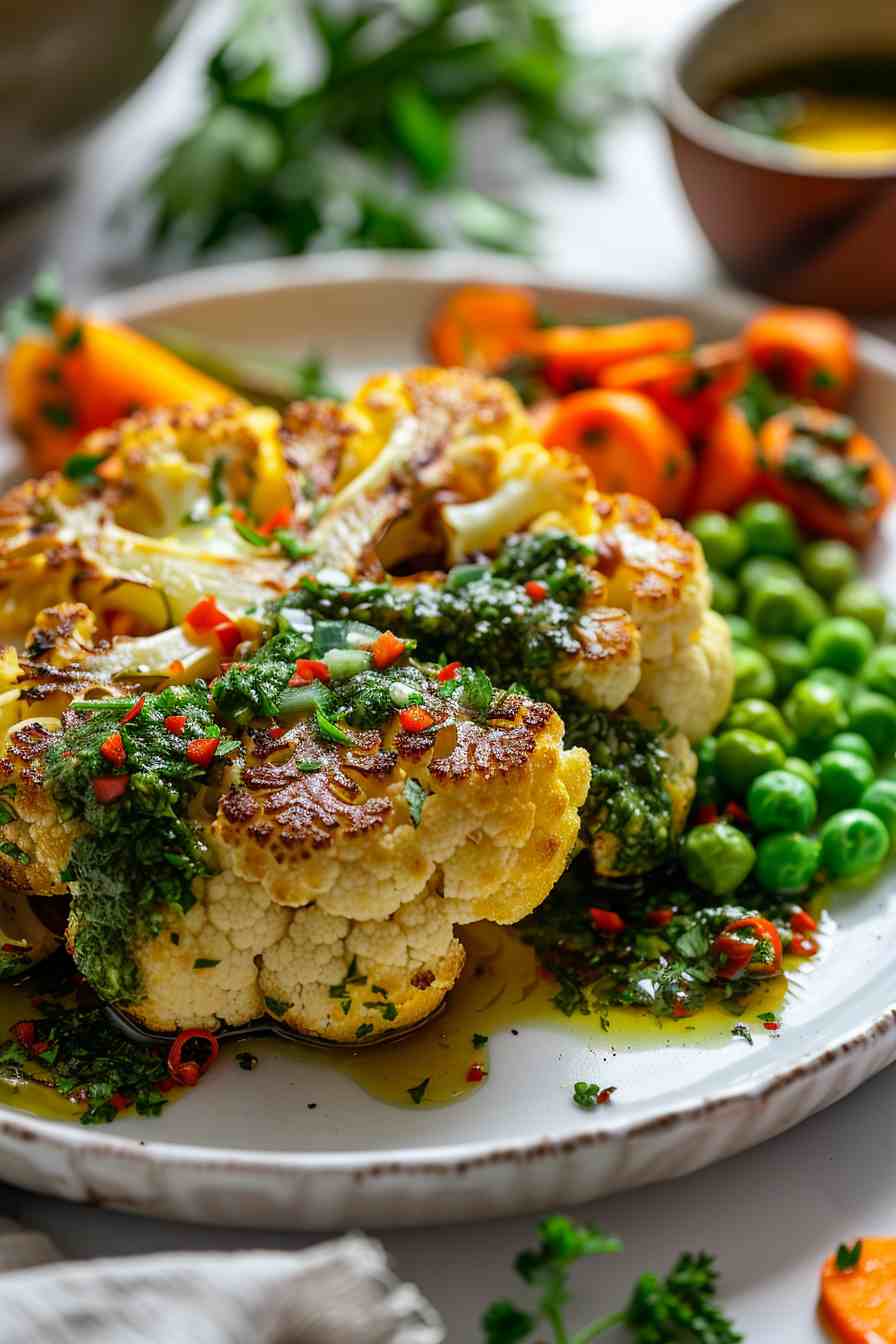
<point>858,1292</point>
<point>628,444</point>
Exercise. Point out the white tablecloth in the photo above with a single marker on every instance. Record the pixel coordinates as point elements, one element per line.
<point>770,1216</point>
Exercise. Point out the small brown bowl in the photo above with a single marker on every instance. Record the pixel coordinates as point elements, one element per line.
<point>798,225</point>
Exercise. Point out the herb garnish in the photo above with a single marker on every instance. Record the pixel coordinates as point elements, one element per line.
<point>681,1307</point>
<point>418,1092</point>
<point>589,1095</point>
<point>415,796</point>
<point>848,1256</point>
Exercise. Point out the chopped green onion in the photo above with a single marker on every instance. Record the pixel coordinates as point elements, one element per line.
<point>292,547</point>
<point>249,533</point>
<point>331,731</point>
<point>344,663</point>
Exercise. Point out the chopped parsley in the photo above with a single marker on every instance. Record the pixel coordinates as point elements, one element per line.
<point>205,963</point>
<point>279,1007</point>
<point>415,796</point>
<point>247,1061</point>
<point>418,1092</point>
<point>848,1257</point>
<point>138,857</point>
<point>479,1040</point>
<point>743,1031</point>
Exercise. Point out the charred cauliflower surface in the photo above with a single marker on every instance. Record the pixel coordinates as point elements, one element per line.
<point>322,860</point>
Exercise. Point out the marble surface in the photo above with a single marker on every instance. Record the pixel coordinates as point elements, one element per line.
<point>770,1216</point>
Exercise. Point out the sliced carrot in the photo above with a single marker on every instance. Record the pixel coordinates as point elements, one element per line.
<point>111,371</point>
<point>628,444</point>
<point>726,463</point>
<point>793,432</point>
<point>859,1303</point>
<point>481,326</point>
<point>38,402</point>
<point>689,388</point>
<point>808,353</point>
<point>573,358</point>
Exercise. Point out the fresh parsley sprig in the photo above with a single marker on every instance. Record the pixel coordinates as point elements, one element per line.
<point>680,1309</point>
<point>371,153</point>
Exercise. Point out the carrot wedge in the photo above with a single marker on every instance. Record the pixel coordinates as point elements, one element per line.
<point>809,353</point>
<point>858,1300</point>
<point>726,464</point>
<point>573,358</point>
<point>481,326</point>
<point>689,387</point>
<point>628,444</point>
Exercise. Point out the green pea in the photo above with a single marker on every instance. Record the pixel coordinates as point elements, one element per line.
<point>797,766</point>
<point>781,801</point>
<point>873,716</point>
<point>861,600</point>
<point>789,659</point>
<point>851,742</point>
<point>753,674</point>
<point>761,567</point>
<point>742,631</point>
<point>853,842</point>
<point>725,593</point>
<point>718,857</point>
<point>842,643</point>
<point>722,539</point>
<point>879,673</point>
<point>769,529</point>
<point>838,681</point>
<point>782,606</point>
<point>880,798</point>
<point>762,717</point>
<point>787,863</point>
<point>814,711</point>
<point>742,755</point>
<point>828,565</point>
<point>842,779</point>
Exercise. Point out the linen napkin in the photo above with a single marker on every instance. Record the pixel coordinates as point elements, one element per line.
<point>341,1292</point>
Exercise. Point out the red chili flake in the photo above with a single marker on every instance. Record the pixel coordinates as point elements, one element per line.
<point>281,518</point>
<point>112,750</point>
<point>176,723</point>
<point>24,1033</point>
<point>605,921</point>
<point>239,514</point>
<point>387,649</point>
<point>202,751</point>
<point>604,1095</point>
<point>228,635</point>
<point>276,732</point>
<point>119,1101</point>
<point>739,815</point>
<point>476,1073</point>
<point>206,614</point>
<point>309,670</point>
<point>658,919</point>
<point>39,1047</point>
<point>772,1026</point>
<point>680,1009</point>
<point>706,814</point>
<point>801,946</point>
<point>187,1072</point>
<point>449,671</point>
<point>802,922</point>
<point>11,947</point>
<point>175,668</point>
<point>415,719</point>
<point>107,788</point>
<point>134,710</point>
<point>165,1084</point>
<point>536,590</point>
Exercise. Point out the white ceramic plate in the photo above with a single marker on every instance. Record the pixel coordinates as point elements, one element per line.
<point>245,1149</point>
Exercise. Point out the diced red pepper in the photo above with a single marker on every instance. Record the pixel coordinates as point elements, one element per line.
<point>175,668</point>
<point>228,635</point>
<point>772,1026</point>
<point>280,518</point>
<point>449,671</point>
<point>680,1009</point>
<point>604,1095</point>
<point>24,1033</point>
<point>134,710</point>
<point>107,788</point>
<point>39,1047</point>
<point>387,649</point>
<point>605,921</point>
<point>658,919</point>
<point>536,590</point>
<point>706,814</point>
<point>176,723</point>
<point>415,719</point>
<point>802,922</point>
<point>112,750</point>
<point>803,946</point>
<point>739,815</point>
<point>165,1084</point>
<point>202,750</point>
<point>737,953</point>
<point>119,1101</point>
<point>239,514</point>
<point>276,732</point>
<point>476,1073</point>
<point>309,670</point>
<point>187,1072</point>
<point>206,614</point>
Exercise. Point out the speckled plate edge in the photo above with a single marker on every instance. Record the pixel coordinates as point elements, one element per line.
<point>447,1182</point>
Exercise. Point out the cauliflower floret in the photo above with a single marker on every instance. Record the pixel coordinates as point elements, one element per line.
<point>692,689</point>
<point>24,938</point>
<point>35,843</point>
<point>489,789</point>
